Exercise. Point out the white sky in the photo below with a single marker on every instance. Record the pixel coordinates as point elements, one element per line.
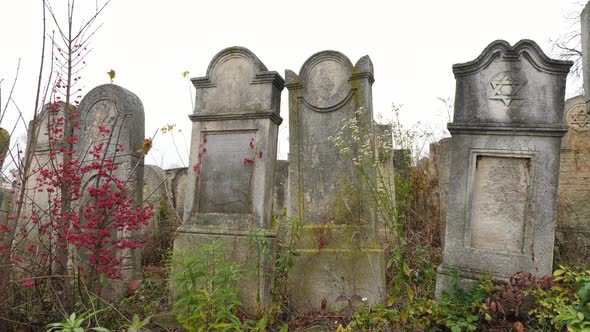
<point>150,43</point>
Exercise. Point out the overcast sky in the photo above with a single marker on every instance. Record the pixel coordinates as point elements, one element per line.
<point>412,44</point>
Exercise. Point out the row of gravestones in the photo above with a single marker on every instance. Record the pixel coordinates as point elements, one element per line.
<point>504,166</point>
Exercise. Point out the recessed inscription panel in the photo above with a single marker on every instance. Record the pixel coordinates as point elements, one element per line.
<point>500,202</point>
<point>227,161</point>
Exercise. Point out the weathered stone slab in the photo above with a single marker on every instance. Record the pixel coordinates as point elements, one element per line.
<point>178,183</point>
<point>440,154</point>
<point>340,254</point>
<point>232,164</point>
<point>121,112</point>
<point>40,146</point>
<point>573,220</point>
<point>505,147</point>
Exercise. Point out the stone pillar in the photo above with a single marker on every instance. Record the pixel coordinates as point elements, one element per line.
<point>120,111</point>
<point>232,164</point>
<point>340,253</point>
<point>573,210</point>
<point>505,146</point>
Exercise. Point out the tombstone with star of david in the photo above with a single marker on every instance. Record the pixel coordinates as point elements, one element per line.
<point>505,153</point>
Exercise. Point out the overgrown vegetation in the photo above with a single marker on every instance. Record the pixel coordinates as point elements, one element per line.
<point>48,280</point>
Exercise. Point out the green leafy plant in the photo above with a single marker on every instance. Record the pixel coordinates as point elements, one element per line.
<point>137,324</point>
<point>206,293</point>
<point>576,317</point>
<point>74,323</point>
<point>559,299</point>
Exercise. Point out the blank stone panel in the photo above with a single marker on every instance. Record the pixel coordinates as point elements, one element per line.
<point>500,200</point>
<point>225,175</point>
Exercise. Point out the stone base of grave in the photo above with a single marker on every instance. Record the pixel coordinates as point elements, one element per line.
<point>465,279</point>
<point>257,278</point>
<point>335,262</point>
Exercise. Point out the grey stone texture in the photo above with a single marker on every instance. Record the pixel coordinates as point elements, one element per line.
<point>281,189</point>
<point>573,210</point>
<point>178,184</point>
<point>232,164</point>
<point>154,192</point>
<point>508,122</point>
<point>340,253</point>
<point>440,155</point>
<point>120,111</point>
<point>39,145</point>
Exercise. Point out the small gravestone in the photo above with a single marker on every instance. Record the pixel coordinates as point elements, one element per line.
<point>341,257</point>
<point>232,163</point>
<point>508,122</point>
<point>178,184</point>
<point>440,153</point>
<point>111,107</point>
<point>154,192</point>
<point>573,222</point>
<point>43,151</point>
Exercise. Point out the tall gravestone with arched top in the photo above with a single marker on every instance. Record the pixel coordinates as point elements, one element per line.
<point>118,110</point>
<point>340,253</point>
<point>232,163</point>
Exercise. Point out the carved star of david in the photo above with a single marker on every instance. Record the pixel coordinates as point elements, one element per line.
<point>506,88</point>
<point>578,118</point>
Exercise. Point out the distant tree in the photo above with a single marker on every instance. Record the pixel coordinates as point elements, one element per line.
<point>568,45</point>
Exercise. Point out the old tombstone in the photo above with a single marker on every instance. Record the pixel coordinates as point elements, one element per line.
<point>40,145</point>
<point>505,148</point>
<point>178,184</point>
<point>573,219</point>
<point>120,111</point>
<point>159,231</point>
<point>154,192</point>
<point>440,154</point>
<point>340,255</point>
<point>232,163</point>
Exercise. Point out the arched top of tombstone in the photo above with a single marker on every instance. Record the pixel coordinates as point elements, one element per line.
<point>325,79</point>
<point>525,48</point>
<point>233,65</point>
<point>237,86</point>
<point>113,107</point>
